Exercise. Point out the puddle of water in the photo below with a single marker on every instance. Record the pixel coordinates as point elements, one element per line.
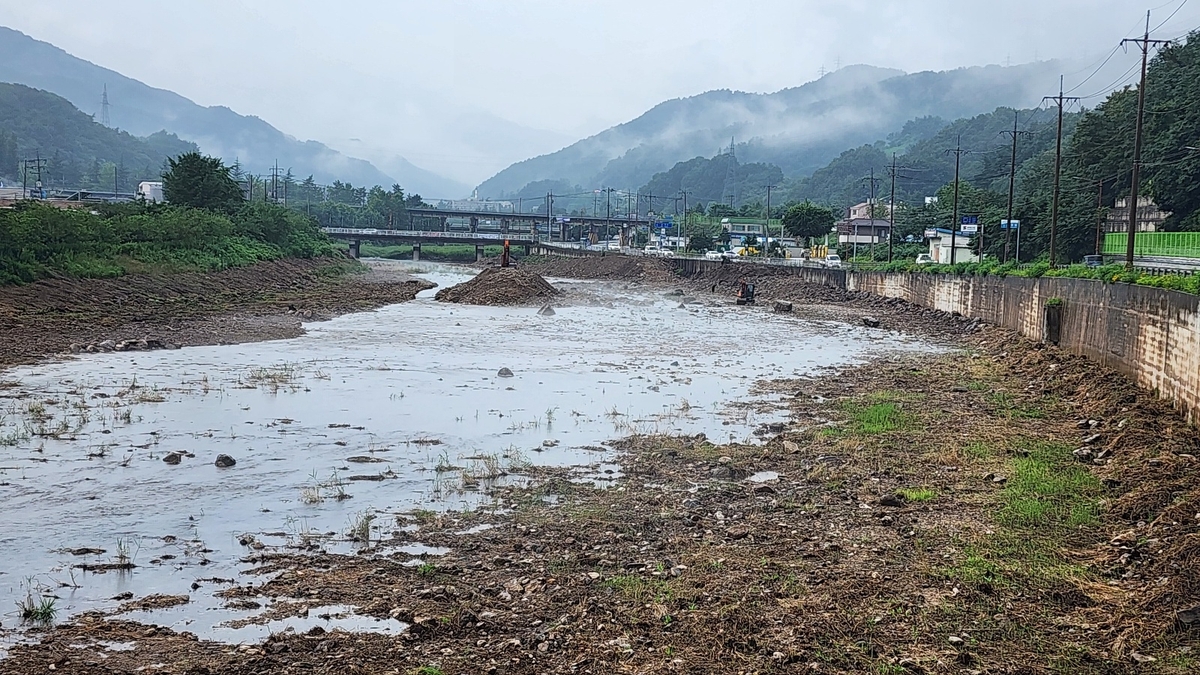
<point>410,392</point>
<point>214,623</point>
<point>763,477</point>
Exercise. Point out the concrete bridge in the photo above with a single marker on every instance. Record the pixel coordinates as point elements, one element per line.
<point>488,228</point>
<point>416,238</point>
<point>505,223</point>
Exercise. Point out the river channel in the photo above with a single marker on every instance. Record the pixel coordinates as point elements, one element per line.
<point>357,417</point>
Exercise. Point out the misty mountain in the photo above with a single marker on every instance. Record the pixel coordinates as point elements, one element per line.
<point>798,129</point>
<point>143,110</point>
<point>79,152</point>
<point>926,165</point>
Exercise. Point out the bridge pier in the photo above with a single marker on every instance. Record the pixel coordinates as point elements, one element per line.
<point>354,248</point>
<point>478,253</point>
<point>526,250</point>
<point>416,251</point>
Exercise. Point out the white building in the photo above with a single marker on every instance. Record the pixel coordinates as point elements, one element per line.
<point>940,247</point>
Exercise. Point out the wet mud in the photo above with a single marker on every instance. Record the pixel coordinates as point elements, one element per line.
<point>883,505</point>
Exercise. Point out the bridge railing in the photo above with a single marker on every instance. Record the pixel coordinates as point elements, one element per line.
<point>422,234</point>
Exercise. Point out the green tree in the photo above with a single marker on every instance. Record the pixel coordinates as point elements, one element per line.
<point>700,241</point>
<point>807,220</point>
<point>201,182</point>
<point>1172,127</point>
<point>719,210</point>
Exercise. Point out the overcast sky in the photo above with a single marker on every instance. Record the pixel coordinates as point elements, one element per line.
<point>335,71</point>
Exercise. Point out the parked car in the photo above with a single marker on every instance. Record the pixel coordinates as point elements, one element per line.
<point>614,246</point>
<point>833,261</point>
<point>714,255</point>
<point>924,259</point>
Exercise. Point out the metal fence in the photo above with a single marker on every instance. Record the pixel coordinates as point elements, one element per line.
<point>1155,244</point>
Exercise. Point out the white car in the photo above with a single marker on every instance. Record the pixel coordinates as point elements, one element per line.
<point>614,246</point>
<point>713,255</point>
<point>924,259</point>
<point>833,261</point>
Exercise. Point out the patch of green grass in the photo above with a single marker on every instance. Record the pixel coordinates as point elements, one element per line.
<point>641,590</point>
<point>977,450</point>
<point>978,385</point>
<point>428,670</point>
<point>918,494</point>
<point>872,419</point>
<point>426,569</point>
<point>1049,489</point>
<point>1009,559</point>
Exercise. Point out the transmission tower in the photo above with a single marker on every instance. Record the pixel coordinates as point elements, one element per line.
<point>105,118</point>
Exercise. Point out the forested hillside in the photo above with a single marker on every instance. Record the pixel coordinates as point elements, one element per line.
<point>79,151</point>
<point>1096,169</point>
<point>797,129</point>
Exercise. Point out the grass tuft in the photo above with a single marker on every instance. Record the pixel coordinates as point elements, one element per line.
<point>1049,489</point>
<point>918,494</point>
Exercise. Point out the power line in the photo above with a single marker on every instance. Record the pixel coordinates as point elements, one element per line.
<point>1169,17</point>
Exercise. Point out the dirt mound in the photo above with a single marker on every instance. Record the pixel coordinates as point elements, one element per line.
<point>500,286</point>
<point>610,267</point>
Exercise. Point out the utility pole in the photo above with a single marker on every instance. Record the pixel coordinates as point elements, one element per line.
<point>1012,182</point>
<point>1060,99</point>
<point>767,227</point>
<point>892,209</point>
<point>1144,43</point>
<point>608,215</point>
<point>1099,215</point>
<point>871,211</point>
<point>958,153</point>
<point>684,194</point>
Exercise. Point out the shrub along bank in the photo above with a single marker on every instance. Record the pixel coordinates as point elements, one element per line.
<point>39,241</point>
<point>1107,273</point>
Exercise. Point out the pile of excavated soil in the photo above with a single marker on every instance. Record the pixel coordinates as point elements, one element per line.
<point>500,286</point>
<point>610,268</point>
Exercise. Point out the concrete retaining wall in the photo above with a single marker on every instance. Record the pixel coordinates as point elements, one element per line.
<point>1149,334</point>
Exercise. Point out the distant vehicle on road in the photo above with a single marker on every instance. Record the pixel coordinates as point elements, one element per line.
<point>713,255</point>
<point>656,252</point>
<point>833,261</point>
<point>924,259</point>
<point>370,231</point>
<point>614,246</point>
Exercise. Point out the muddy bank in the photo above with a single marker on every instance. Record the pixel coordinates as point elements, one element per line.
<point>500,286</point>
<point>772,284</point>
<point>263,302</point>
<point>1005,509</point>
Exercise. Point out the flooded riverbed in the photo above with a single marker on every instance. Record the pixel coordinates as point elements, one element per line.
<point>371,414</point>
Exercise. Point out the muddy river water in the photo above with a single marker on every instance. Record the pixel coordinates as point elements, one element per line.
<point>376,413</point>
